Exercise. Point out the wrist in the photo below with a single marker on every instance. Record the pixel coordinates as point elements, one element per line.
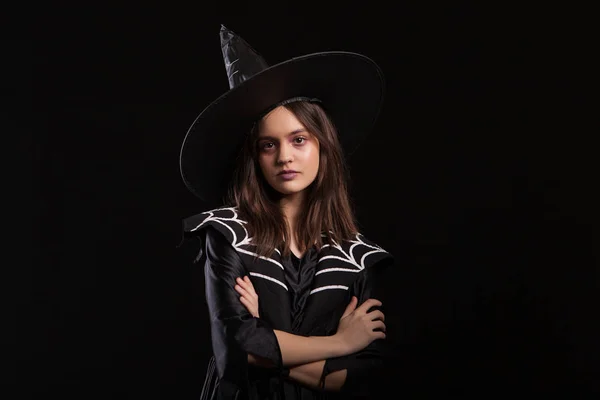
<point>338,345</point>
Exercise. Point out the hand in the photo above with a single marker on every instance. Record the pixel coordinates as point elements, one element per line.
<point>249,298</point>
<point>357,326</point>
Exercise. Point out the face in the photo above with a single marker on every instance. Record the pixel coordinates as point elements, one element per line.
<point>284,144</point>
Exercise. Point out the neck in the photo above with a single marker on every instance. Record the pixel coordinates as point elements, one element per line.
<point>291,206</point>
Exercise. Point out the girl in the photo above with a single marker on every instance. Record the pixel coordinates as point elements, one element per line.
<point>289,280</point>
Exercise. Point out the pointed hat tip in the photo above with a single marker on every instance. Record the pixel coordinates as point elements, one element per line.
<point>226,32</point>
<point>226,35</point>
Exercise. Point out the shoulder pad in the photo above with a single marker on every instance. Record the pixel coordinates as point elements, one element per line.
<point>359,252</point>
<point>225,220</point>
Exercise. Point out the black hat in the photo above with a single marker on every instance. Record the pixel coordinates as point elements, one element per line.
<point>349,86</point>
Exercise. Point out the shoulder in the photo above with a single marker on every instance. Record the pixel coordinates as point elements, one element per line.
<point>224,220</point>
<point>358,251</point>
<point>226,215</point>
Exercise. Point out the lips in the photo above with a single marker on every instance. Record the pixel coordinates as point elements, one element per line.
<point>287,171</point>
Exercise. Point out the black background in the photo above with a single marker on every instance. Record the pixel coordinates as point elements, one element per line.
<point>476,178</point>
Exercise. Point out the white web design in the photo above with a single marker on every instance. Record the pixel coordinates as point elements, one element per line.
<point>277,281</point>
<point>349,256</point>
<point>329,287</point>
<point>246,240</point>
<point>211,217</point>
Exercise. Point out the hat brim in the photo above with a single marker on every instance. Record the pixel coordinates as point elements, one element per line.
<point>350,86</point>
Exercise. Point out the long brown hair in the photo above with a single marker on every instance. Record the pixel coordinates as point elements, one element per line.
<point>327,209</point>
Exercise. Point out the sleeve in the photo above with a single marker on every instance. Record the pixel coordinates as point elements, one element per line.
<point>363,368</point>
<point>234,331</point>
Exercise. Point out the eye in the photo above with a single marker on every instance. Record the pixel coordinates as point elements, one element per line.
<point>301,139</point>
<point>265,145</point>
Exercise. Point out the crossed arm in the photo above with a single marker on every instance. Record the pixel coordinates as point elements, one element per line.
<point>238,338</point>
<point>308,374</point>
<point>306,356</point>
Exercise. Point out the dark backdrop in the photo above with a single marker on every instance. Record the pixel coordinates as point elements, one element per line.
<point>488,212</point>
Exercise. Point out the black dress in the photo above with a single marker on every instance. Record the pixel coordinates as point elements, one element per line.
<point>229,376</point>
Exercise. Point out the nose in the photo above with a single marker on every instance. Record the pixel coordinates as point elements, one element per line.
<point>285,154</point>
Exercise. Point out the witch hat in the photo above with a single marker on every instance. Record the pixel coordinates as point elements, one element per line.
<point>349,86</point>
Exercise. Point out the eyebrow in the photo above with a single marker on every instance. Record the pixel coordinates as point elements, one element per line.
<point>299,130</point>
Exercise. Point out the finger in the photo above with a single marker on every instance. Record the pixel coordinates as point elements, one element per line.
<point>364,307</point>
<point>248,281</point>
<point>379,335</point>
<point>350,307</point>
<point>243,281</point>
<point>248,303</point>
<point>249,285</point>
<point>243,291</point>
<point>379,325</point>
<point>376,314</point>
<point>252,309</point>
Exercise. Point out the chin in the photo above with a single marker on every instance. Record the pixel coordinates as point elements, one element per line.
<point>287,190</point>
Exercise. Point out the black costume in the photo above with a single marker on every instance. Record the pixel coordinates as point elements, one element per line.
<point>304,296</point>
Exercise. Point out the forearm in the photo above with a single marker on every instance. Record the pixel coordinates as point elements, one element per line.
<point>297,350</point>
<point>310,375</point>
